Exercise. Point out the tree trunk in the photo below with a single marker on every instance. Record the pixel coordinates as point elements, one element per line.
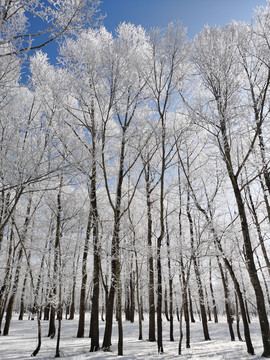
<point>82,306</point>
<point>237,318</point>
<point>22,238</point>
<point>227,301</point>
<point>263,319</point>
<point>151,285</point>
<point>14,289</point>
<point>22,297</point>
<point>198,277</point>
<point>170,282</point>
<point>139,304</point>
<point>208,306</point>
<point>214,306</point>
<point>4,290</point>
<point>191,313</point>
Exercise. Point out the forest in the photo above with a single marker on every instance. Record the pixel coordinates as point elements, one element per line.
<point>134,178</point>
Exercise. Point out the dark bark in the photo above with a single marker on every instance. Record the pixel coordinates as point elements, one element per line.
<point>96,271</point>
<point>237,318</point>
<point>191,313</point>
<point>115,263</point>
<point>139,299</point>
<point>12,297</point>
<point>73,290</point>
<point>151,285</point>
<point>198,277</point>
<point>14,288</point>
<point>82,306</point>
<point>22,297</point>
<point>258,227</point>
<point>207,302</point>
<point>262,314</point>
<point>214,306</point>
<point>170,282</point>
<point>166,304</point>
<point>4,290</point>
<point>56,263</point>
<point>227,301</point>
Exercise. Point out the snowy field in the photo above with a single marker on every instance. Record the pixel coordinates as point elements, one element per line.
<point>21,341</point>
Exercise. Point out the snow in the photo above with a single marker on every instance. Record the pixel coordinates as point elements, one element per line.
<point>22,340</point>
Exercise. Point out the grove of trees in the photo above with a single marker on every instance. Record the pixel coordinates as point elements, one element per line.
<point>134,174</point>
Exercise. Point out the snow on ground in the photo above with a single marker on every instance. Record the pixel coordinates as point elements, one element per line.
<point>22,340</point>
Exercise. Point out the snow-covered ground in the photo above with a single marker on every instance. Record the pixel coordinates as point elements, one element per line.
<point>22,340</point>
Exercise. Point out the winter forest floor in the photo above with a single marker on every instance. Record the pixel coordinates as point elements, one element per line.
<point>22,340</point>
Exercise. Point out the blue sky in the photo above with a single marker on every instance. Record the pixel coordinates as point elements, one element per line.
<point>193,14</point>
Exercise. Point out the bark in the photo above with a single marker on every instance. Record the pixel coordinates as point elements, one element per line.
<point>258,228</point>
<point>170,282</point>
<point>214,306</point>
<point>5,202</point>
<point>264,279</point>
<point>166,304</point>
<point>208,306</point>
<point>60,307</point>
<point>36,304</point>
<point>82,306</point>
<point>4,290</point>
<point>181,332</point>
<point>262,314</point>
<point>191,313</point>
<point>115,263</point>
<point>237,318</point>
<point>198,277</point>
<point>57,261</point>
<point>227,301</point>
<point>73,290</point>
<point>139,303</point>
<point>14,289</point>
<point>96,271</point>
<point>151,285</point>
<point>22,297</point>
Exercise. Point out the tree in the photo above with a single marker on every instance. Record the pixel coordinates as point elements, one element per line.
<point>56,19</point>
<point>167,61</point>
<point>221,76</point>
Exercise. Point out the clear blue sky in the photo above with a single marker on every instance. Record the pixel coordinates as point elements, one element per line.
<point>193,14</point>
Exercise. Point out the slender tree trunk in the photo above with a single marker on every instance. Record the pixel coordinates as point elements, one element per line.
<point>258,228</point>
<point>151,285</point>
<point>181,332</point>
<point>140,337</point>
<point>227,300</point>
<point>36,303</point>
<point>22,297</point>
<point>191,313</point>
<point>96,271</point>
<point>14,289</point>
<point>264,279</point>
<point>57,260</point>
<point>208,306</point>
<point>12,297</point>
<point>214,306</point>
<point>166,304</point>
<point>170,282</point>
<point>73,290</point>
<point>82,306</point>
<point>262,314</point>
<point>198,278</point>
<point>59,277</point>
<point>237,317</point>
<point>4,290</point>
